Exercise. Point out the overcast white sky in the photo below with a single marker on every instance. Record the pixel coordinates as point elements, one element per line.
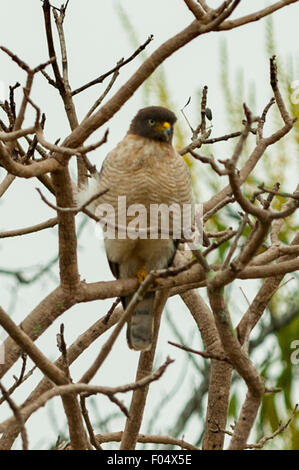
<point>96,40</point>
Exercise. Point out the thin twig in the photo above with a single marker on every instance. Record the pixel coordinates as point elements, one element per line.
<point>260,444</point>
<point>63,349</point>
<point>204,354</point>
<point>33,229</point>
<point>72,209</point>
<point>104,94</point>
<point>234,245</point>
<point>119,64</point>
<point>150,439</point>
<point>84,410</point>
<point>18,415</point>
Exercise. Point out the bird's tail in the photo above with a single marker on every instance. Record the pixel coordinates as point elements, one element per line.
<point>141,324</point>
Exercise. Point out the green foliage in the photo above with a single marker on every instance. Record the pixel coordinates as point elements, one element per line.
<point>277,407</point>
<point>233,406</point>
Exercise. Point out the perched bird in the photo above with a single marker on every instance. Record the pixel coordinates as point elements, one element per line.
<point>145,169</point>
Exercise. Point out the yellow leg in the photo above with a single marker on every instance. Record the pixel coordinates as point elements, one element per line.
<point>141,274</point>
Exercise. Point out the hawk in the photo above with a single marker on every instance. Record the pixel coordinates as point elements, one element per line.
<point>145,169</point>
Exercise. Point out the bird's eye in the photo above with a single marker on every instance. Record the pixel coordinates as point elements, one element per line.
<point>151,122</point>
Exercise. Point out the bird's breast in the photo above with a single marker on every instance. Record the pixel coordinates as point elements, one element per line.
<point>146,172</point>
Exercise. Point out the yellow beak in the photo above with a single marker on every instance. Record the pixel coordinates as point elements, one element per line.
<point>164,128</point>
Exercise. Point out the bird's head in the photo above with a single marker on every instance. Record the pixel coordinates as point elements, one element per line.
<point>154,122</point>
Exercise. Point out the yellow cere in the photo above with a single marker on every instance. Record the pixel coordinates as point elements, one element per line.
<point>166,125</point>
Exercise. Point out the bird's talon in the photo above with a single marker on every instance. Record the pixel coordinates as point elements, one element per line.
<point>141,274</point>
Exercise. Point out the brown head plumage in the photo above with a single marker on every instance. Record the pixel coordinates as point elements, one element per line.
<point>154,122</point>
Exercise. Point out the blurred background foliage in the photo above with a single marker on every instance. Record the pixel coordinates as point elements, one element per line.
<point>270,346</point>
